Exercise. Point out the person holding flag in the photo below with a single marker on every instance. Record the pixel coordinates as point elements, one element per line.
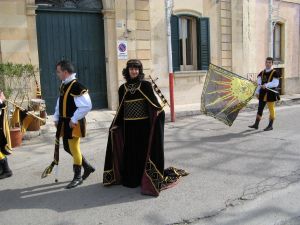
<point>5,144</point>
<point>268,81</point>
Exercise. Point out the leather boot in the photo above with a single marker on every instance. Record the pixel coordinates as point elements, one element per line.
<point>255,125</point>
<point>88,168</point>
<point>6,171</point>
<point>270,126</point>
<point>77,180</point>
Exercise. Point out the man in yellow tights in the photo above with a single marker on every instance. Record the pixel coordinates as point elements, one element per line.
<point>268,81</point>
<point>5,145</point>
<point>71,108</point>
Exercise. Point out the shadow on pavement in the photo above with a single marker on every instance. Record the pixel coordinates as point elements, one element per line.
<point>55,197</point>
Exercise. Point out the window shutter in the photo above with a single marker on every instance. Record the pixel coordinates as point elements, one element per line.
<point>175,42</point>
<point>203,43</point>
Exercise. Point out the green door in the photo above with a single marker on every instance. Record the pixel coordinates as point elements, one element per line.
<point>78,36</point>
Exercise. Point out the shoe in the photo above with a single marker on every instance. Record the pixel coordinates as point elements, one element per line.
<point>270,126</point>
<point>77,180</point>
<point>88,168</point>
<point>255,125</point>
<point>6,171</point>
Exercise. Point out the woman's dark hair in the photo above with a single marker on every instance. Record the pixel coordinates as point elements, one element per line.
<point>133,63</point>
<point>66,65</point>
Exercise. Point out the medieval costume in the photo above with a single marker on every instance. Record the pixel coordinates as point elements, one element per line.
<point>73,105</point>
<point>5,144</point>
<point>135,148</point>
<point>269,78</point>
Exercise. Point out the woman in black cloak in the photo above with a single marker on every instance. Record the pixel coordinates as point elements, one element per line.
<point>135,148</point>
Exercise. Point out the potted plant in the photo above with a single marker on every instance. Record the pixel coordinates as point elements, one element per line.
<point>8,72</point>
<point>16,136</point>
<point>17,81</point>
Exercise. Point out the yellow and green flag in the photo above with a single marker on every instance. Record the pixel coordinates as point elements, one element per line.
<point>5,141</point>
<point>20,118</point>
<point>225,94</point>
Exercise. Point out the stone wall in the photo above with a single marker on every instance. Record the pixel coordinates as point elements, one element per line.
<point>18,41</point>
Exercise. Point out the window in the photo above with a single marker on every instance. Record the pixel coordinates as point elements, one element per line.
<point>190,43</point>
<point>277,42</point>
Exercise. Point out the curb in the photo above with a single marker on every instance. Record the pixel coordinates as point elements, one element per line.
<point>250,107</point>
<point>48,129</point>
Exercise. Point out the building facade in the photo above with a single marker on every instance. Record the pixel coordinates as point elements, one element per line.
<point>233,34</point>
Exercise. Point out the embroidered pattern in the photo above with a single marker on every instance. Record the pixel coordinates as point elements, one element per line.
<point>135,109</point>
<point>108,177</point>
<point>154,174</point>
<point>132,87</point>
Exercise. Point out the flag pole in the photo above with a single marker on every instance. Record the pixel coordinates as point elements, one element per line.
<point>28,113</point>
<point>169,7</point>
<point>269,89</point>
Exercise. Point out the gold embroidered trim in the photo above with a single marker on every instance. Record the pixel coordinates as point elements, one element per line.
<point>271,75</point>
<point>135,100</point>
<point>159,107</point>
<point>108,177</point>
<point>154,175</point>
<point>65,99</point>
<point>118,110</point>
<point>140,118</point>
<point>136,109</point>
<point>81,93</point>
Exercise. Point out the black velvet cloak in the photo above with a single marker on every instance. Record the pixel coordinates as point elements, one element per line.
<point>138,142</point>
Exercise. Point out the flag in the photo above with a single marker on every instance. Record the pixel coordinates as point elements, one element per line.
<point>20,118</point>
<point>225,94</point>
<point>5,141</point>
<point>26,119</point>
<point>15,118</point>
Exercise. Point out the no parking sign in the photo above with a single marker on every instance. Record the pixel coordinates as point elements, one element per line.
<point>122,49</point>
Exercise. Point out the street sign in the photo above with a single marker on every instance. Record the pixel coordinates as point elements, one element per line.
<point>122,50</point>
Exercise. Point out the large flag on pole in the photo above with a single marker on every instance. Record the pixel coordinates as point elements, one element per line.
<point>225,94</point>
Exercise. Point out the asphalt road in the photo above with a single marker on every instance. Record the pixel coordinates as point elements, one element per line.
<point>237,176</point>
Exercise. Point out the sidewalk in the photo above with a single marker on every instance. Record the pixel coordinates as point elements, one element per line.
<point>98,119</point>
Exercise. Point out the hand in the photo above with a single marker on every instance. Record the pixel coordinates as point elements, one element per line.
<point>257,96</point>
<point>263,87</point>
<point>2,96</point>
<point>72,125</point>
<point>113,128</point>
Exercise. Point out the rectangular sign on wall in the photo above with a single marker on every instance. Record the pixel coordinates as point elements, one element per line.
<point>122,50</point>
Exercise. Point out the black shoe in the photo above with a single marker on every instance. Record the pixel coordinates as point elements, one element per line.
<point>255,125</point>
<point>270,126</point>
<point>88,168</point>
<point>6,171</point>
<point>77,180</point>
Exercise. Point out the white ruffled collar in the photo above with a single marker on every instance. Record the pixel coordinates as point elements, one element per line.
<point>70,78</point>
